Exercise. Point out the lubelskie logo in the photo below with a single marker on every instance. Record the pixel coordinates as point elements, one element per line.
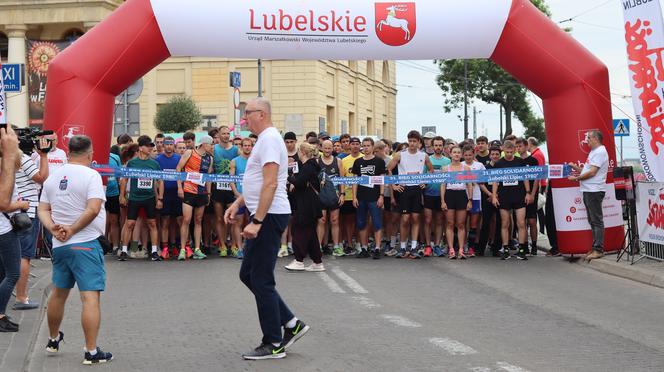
<point>396,23</point>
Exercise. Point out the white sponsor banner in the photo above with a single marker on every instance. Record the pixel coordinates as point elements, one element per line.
<point>342,29</point>
<point>650,212</point>
<point>644,34</point>
<point>571,212</point>
<point>3,100</point>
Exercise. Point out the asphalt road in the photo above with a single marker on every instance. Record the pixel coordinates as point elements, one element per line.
<point>388,315</point>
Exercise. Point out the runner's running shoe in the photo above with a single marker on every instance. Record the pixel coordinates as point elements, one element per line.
<point>415,255</point>
<point>437,251</point>
<point>265,351</point>
<point>223,251</point>
<point>376,254</point>
<point>403,254</point>
<point>164,253</point>
<point>283,251</point>
<point>188,251</point>
<point>234,251</point>
<point>522,255</point>
<point>183,255</point>
<point>471,252</point>
<point>53,346</point>
<point>505,253</point>
<point>199,255</point>
<point>338,252</point>
<point>154,256</point>
<point>240,254</point>
<point>293,334</point>
<point>123,256</point>
<point>452,254</point>
<point>392,252</point>
<point>428,251</point>
<point>100,357</point>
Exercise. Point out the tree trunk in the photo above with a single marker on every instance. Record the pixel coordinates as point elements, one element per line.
<point>508,122</point>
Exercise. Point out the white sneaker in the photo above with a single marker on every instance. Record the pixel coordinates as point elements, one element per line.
<point>295,266</point>
<point>315,267</point>
<point>133,254</point>
<point>143,253</point>
<point>283,251</point>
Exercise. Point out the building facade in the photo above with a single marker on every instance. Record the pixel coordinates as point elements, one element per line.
<point>358,97</point>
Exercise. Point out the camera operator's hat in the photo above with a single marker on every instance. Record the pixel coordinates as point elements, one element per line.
<point>429,135</point>
<point>145,141</point>
<point>205,140</point>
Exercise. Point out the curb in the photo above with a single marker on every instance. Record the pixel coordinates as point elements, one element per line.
<point>36,327</point>
<point>627,272</point>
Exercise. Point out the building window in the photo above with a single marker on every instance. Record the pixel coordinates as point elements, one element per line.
<point>72,34</point>
<point>209,122</point>
<point>4,47</point>
<point>386,73</point>
<point>370,70</point>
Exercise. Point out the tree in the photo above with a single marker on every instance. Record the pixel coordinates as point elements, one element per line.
<point>179,115</point>
<point>488,82</point>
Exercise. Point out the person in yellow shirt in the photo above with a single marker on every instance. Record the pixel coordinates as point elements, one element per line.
<point>347,210</point>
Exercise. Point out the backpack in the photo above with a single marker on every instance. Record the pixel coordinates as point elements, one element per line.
<point>328,194</point>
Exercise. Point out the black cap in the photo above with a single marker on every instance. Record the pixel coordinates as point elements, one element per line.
<point>290,136</point>
<point>496,143</point>
<point>323,134</point>
<point>355,139</point>
<point>145,141</point>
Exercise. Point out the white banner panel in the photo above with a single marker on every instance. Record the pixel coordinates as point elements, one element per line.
<point>644,34</point>
<point>3,100</point>
<point>571,212</point>
<point>650,212</point>
<point>342,29</point>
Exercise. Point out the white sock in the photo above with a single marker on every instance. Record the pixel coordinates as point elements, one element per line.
<point>124,248</point>
<point>290,245</point>
<point>92,352</point>
<point>291,323</point>
<point>403,246</point>
<point>154,248</point>
<point>275,344</point>
<point>413,244</point>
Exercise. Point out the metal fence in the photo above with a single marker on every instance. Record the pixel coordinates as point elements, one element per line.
<point>652,250</point>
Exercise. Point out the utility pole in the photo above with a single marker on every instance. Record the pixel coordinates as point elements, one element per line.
<point>474,123</point>
<point>465,99</point>
<point>260,78</point>
<point>125,106</point>
<point>501,122</point>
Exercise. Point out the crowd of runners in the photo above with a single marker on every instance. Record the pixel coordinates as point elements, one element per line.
<point>163,220</point>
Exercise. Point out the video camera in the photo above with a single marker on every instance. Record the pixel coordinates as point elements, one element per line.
<point>28,140</point>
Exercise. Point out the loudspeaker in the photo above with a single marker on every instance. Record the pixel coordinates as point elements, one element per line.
<point>623,178</point>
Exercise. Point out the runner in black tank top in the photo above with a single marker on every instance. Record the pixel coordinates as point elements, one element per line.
<point>333,169</point>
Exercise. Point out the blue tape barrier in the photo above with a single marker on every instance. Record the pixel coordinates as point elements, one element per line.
<point>479,176</point>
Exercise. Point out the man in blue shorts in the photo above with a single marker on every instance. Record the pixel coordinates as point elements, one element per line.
<point>172,204</point>
<point>71,209</point>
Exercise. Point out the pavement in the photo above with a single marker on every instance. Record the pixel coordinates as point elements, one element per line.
<point>482,314</point>
<point>15,348</point>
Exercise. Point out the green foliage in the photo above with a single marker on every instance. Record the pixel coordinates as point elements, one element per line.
<point>488,82</point>
<point>179,115</point>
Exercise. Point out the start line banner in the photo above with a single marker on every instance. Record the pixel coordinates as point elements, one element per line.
<point>479,176</point>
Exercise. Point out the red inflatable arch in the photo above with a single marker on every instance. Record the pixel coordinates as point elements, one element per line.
<point>573,84</point>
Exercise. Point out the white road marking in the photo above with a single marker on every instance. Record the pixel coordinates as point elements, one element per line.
<point>331,284</point>
<point>401,321</point>
<point>367,302</point>
<point>480,369</point>
<point>350,282</point>
<point>510,368</point>
<point>453,347</point>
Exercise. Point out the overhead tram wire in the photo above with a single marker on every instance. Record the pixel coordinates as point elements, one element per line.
<point>586,11</point>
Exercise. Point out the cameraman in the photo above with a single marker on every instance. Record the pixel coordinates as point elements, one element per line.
<point>29,179</point>
<point>56,158</point>
<point>10,251</point>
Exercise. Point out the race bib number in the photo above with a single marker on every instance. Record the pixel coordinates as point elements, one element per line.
<point>511,183</point>
<point>195,178</point>
<point>455,185</point>
<point>293,168</point>
<point>224,186</point>
<point>145,183</point>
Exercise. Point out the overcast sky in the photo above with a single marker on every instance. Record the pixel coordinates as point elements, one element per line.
<point>597,24</point>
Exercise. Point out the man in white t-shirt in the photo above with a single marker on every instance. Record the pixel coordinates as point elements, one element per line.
<point>592,178</point>
<point>264,195</point>
<point>71,209</point>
